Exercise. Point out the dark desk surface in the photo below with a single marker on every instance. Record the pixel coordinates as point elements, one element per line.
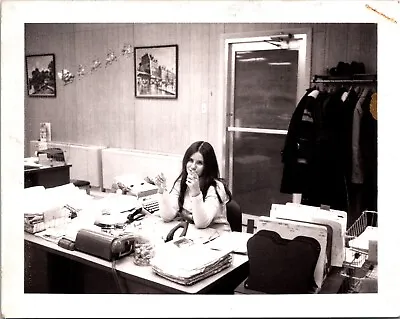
<point>29,168</point>
<point>46,175</point>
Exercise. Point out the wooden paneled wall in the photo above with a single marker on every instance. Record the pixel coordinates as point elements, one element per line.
<point>101,108</point>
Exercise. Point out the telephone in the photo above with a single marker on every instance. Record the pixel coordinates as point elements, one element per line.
<point>104,245</point>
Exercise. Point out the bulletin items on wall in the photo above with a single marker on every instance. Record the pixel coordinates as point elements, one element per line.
<point>45,132</point>
<point>330,151</point>
<point>83,69</point>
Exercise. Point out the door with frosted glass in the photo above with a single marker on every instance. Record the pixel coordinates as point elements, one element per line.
<point>264,93</point>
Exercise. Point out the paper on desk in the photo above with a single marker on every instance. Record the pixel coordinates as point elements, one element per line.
<point>156,229</point>
<point>38,200</point>
<point>51,234</point>
<point>231,241</point>
<point>362,241</point>
<point>68,231</point>
<point>116,203</point>
<point>32,161</point>
<point>352,259</point>
<point>71,195</point>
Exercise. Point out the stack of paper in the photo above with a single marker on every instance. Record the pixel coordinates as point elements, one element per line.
<point>362,241</point>
<point>113,210</point>
<point>334,220</point>
<point>188,264</point>
<point>52,207</point>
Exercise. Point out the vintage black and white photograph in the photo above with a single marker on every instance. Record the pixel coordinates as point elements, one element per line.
<point>156,72</point>
<point>260,179</point>
<point>41,75</point>
<point>292,148</point>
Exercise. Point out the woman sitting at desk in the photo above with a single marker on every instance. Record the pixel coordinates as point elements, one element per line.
<point>198,194</point>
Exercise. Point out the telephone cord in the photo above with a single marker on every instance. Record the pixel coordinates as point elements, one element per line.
<point>116,277</point>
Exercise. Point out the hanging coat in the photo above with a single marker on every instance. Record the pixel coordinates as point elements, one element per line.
<point>327,177</point>
<point>298,150</point>
<point>312,153</point>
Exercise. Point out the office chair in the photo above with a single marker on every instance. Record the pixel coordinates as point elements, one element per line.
<point>234,215</point>
<point>81,184</point>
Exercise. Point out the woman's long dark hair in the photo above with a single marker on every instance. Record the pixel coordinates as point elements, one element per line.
<point>210,171</point>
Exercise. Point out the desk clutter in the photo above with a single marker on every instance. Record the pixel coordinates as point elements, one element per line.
<point>296,247</point>
<point>117,226</point>
<point>48,208</point>
<point>292,251</point>
<point>45,157</point>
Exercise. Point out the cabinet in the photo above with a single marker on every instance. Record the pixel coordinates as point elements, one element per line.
<point>47,176</point>
<point>85,160</point>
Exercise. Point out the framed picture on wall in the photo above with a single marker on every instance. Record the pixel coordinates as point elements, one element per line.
<point>41,75</point>
<point>156,72</point>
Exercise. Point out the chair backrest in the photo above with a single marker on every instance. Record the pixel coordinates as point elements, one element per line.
<point>289,261</point>
<point>234,215</point>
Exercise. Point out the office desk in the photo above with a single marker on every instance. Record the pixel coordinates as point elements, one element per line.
<point>47,176</point>
<point>77,272</point>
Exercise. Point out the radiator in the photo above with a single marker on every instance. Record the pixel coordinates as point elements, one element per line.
<point>117,161</point>
<point>85,160</point>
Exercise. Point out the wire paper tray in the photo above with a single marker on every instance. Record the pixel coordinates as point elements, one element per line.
<point>357,255</point>
<point>367,218</point>
<point>357,267</point>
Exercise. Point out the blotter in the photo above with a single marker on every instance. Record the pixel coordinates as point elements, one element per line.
<point>231,241</point>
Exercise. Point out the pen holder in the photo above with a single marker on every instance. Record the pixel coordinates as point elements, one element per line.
<point>143,251</point>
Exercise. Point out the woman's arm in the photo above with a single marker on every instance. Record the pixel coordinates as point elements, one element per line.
<point>169,204</point>
<point>205,211</point>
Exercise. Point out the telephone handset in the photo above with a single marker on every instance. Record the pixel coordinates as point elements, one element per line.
<point>183,224</point>
<point>122,245</point>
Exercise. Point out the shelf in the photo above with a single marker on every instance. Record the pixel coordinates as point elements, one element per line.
<point>355,78</point>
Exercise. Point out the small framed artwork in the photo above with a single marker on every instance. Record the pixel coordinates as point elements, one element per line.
<point>41,75</point>
<point>156,72</point>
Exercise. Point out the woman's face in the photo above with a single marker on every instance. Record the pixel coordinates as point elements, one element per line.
<point>195,164</point>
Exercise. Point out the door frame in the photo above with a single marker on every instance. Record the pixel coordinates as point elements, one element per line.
<point>225,42</point>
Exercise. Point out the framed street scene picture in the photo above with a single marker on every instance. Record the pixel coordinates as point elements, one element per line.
<point>41,75</point>
<point>156,72</point>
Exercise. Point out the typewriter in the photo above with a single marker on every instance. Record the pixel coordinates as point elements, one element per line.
<point>150,203</point>
<point>145,192</point>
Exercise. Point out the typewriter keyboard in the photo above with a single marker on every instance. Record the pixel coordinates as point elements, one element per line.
<point>151,206</point>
